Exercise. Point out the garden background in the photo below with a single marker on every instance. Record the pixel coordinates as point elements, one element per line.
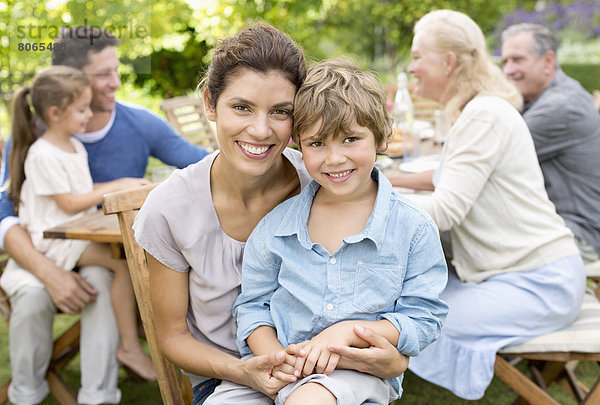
<point>166,45</point>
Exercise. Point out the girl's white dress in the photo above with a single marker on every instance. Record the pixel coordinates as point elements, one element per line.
<point>49,171</point>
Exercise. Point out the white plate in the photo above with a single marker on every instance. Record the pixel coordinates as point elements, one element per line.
<point>426,134</point>
<point>420,125</point>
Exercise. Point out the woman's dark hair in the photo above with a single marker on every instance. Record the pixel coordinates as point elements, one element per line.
<point>54,86</point>
<point>260,47</point>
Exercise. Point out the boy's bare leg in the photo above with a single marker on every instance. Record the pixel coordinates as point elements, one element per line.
<point>130,352</point>
<point>311,393</point>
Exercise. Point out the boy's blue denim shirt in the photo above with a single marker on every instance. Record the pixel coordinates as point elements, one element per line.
<point>394,269</point>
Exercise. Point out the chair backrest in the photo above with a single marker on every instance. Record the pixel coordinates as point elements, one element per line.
<point>424,108</point>
<point>186,115</point>
<point>174,387</point>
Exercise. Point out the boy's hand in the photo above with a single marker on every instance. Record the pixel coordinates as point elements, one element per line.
<point>314,356</point>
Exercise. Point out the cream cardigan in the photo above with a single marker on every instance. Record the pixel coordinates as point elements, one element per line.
<point>490,194</point>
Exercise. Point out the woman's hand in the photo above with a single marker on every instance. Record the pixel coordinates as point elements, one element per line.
<point>285,370</point>
<point>259,373</point>
<point>381,359</point>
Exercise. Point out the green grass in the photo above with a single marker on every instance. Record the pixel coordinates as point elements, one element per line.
<point>416,390</point>
<point>133,392</point>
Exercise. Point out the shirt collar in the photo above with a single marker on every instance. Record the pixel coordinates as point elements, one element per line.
<point>95,136</point>
<point>296,218</point>
<point>556,80</point>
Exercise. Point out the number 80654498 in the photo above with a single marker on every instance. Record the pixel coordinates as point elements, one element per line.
<point>38,46</point>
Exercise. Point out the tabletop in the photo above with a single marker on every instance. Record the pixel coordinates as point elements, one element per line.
<point>94,226</point>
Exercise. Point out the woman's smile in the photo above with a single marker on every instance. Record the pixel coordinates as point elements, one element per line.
<point>255,151</point>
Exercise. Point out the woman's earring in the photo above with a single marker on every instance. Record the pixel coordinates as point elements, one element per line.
<point>446,71</point>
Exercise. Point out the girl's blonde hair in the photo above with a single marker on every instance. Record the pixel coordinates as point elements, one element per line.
<point>55,86</point>
<point>475,73</point>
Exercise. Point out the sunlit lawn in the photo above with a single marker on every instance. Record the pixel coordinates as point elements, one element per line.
<point>416,391</point>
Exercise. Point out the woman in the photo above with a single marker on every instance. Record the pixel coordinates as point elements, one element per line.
<point>195,224</point>
<point>517,270</point>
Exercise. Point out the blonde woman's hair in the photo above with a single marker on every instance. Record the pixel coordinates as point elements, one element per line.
<point>475,73</point>
<point>339,94</point>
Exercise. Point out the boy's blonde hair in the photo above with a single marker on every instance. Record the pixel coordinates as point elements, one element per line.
<point>338,93</point>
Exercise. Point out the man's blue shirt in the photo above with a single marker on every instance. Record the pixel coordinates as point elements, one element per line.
<point>394,269</point>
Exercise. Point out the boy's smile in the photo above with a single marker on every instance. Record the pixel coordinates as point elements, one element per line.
<point>340,163</point>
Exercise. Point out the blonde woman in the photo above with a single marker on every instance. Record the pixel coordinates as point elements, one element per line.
<point>516,270</point>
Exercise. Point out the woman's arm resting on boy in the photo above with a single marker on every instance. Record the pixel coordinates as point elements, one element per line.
<point>176,342</point>
<point>263,341</point>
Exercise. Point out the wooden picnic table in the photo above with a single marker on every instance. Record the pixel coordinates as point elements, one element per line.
<point>95,227</point>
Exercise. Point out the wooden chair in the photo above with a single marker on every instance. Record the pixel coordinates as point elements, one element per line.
<point>424,108</point>
<point>66,346</point>
<point>553,356</point>
<point>175,388</point>
<point>186,115</point>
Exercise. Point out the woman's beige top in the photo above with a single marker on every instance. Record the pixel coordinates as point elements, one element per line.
<point>490,194</point>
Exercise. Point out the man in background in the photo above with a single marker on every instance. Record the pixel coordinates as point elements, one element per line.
<point>565,127</point>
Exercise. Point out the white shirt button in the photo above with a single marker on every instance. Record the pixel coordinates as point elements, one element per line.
<point>332,261</point>
<point>330,306</point>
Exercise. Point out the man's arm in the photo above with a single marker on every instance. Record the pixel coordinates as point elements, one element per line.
<point>69,292</point>
<point>170,147</point>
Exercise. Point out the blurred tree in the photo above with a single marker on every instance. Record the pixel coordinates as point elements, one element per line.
<point>165,45</point>
<point>378,32</point>
<point>28,30</point>
<point>174,72</point>
<point>142,26</point>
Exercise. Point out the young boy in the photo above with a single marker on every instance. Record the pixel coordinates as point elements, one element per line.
<point>347,251</point>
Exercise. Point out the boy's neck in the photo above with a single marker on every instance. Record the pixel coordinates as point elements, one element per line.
<point>332,219</point>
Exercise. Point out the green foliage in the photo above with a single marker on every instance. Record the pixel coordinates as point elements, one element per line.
<point>588,74</point>
<point>173,72</point>
<point>378,33</point>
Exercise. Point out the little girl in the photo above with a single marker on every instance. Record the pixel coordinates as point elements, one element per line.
<point>50,183</point>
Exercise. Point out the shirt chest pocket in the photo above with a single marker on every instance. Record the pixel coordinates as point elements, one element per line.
<point>376,288</point>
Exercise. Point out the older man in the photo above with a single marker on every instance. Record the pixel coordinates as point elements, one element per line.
<point>565,127</point>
